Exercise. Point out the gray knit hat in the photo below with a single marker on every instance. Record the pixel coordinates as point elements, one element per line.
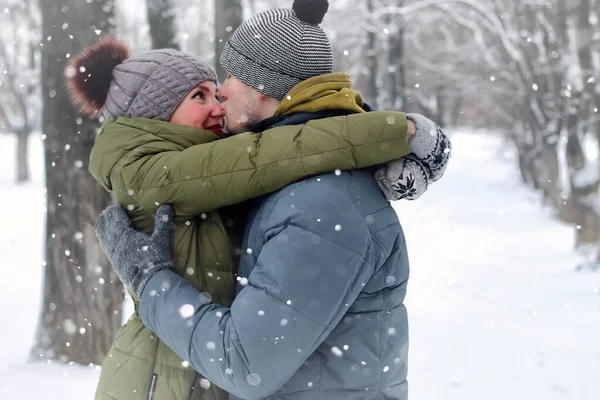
<point>151,84</point>
<point>277,49</point>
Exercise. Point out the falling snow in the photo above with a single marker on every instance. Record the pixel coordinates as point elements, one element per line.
<point>187,310</point>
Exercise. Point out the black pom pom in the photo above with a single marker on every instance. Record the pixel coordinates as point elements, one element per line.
<point>311,11</point>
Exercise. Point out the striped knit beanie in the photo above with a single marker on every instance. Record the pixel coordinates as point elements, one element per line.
<point>106,78</point>
<point>277,49</point>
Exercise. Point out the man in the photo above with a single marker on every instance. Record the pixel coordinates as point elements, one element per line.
<point>323,273</point>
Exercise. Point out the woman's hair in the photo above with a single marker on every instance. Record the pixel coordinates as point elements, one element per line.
<point>106,78</point>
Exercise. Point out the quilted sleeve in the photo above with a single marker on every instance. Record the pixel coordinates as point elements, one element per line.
<point>278,300</point>
<point>205,177</point>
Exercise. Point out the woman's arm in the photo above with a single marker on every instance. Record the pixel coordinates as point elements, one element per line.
<point>208,176</point>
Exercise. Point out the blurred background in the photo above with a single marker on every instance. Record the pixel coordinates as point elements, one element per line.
<point>504,299</point>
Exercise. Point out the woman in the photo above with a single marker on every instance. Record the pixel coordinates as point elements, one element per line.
<point>160,144</point>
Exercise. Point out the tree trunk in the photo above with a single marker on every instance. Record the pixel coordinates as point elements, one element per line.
<point>523,168</point>
<point>397,66</point>
<point>533,164</point>
<point>82,299</point>
<point>549,178</point>
<point>22,166</point>
<point>372,60</point>
<point>584,194</point>
<point>567,208</point>
<point>588,219</point>
<point>567,211</point>
<point>162,22</point>
<point>588,223</point>
<point>228,17</point>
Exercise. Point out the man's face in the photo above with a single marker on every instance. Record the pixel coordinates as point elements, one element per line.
<point>242,105</point>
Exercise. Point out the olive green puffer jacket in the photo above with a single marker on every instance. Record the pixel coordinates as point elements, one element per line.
<point>146,163</point>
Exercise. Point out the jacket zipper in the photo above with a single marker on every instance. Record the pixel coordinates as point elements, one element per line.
<point>154,376</point>
<point>193,388</point>
<point>152,387</point>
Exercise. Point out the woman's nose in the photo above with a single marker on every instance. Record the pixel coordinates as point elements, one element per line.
<point>218,111</point>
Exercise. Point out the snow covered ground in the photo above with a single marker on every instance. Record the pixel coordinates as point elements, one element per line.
<point>497,310</point>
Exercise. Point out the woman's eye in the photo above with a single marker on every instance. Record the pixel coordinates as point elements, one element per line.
<point>199,95</point>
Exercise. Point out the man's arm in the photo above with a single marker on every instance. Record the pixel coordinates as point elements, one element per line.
<point>306,276</point>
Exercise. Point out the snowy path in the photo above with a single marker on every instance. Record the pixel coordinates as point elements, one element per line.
<point>496,309</point>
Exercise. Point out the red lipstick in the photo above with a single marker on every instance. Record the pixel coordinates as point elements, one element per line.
<point>217,128</point>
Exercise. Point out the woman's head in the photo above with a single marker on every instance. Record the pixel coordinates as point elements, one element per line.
<point>166,85</point>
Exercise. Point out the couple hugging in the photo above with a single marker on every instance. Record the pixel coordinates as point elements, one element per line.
<point>253,225</point>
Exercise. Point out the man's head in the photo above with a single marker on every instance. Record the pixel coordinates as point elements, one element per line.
<point>268,55</point>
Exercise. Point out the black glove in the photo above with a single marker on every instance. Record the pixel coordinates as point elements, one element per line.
<point>135,256</point>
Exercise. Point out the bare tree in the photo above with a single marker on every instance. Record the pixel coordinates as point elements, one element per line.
<point>162,21</point>
<point>543,52</point>
<point>82,298</point>
<point>19,85</point>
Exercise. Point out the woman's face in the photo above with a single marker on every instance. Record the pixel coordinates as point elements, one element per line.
<point>201,109</point>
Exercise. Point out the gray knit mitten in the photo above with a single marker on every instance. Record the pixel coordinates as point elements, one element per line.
<point>408,177</point>
<point>135,256</point>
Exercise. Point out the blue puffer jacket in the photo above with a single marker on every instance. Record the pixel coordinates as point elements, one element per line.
<point>319,312</point>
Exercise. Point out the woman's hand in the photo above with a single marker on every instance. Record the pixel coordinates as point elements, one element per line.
<point>135,256</point>
<point>410,176</point>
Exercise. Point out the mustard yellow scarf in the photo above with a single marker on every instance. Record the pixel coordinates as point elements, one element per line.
<point>323,92</point>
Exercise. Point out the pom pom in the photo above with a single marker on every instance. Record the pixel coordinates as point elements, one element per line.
<point>89,74</point>
<point>311,11</point>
